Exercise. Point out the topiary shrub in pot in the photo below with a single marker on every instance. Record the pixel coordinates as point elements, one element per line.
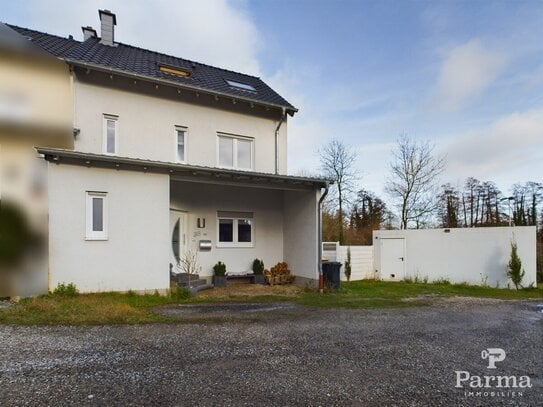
<point>258,270</point>
<point>219,274</point>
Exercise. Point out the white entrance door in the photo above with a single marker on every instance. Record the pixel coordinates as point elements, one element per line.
<point>178,237</point>
<point>392,259</point>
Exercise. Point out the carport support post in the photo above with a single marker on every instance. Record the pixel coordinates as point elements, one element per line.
<point>319,260</point>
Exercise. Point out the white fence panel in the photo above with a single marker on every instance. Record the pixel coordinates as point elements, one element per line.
<point>361,259</point>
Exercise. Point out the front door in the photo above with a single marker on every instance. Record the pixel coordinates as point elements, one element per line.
<point>178,236</point>
<point>392,259</point>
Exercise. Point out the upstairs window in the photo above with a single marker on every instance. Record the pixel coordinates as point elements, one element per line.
<point>96,216</point>
<point>235,152</point>
<point>110,136</point>
<point>235,229</point>
<point>181,144</point>
<point>240,85</point>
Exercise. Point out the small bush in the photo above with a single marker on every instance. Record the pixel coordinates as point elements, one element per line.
<point>258,266</point>
<point>442,281</point>
<point>514,268</point>
<point>219,269</point>
<point>66,290</point>
<point>181,294</point>
<point>348,267</point>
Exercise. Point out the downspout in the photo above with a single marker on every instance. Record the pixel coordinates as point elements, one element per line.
<point>283,117</point>
<point>321,279</point>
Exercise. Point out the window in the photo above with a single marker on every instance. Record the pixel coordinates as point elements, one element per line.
<point>174,70</point>
<point>235,152</point>
<point>240,85</point>
<point>96,228</point>
<point>181,144</point>
<point>235,229</point>
<point>110,134</point>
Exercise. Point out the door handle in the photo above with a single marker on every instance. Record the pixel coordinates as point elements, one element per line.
<point>401,258</point>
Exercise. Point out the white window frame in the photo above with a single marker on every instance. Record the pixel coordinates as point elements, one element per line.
<point>186,131</point>
<point>235,139</point>
<point>115,119</point>
<point>234,242</point>
<point>89,233</point>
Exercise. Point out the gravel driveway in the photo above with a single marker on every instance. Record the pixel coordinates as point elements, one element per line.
<point>297,356</point>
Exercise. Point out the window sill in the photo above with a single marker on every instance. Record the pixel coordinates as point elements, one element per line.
<point>93,238</point>
<point>235,245</point>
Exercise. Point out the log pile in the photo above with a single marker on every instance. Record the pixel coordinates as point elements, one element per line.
<point>279,274</point>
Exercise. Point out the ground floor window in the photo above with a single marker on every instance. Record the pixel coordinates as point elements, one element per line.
<point>235,229</point>
<point>96,216</point>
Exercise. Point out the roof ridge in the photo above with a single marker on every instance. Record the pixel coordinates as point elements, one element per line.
<point>69,38</point>
<point>139,48</point>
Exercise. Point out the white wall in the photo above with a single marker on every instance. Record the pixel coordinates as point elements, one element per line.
<point>463,255</point>
<point>146,127</point>
<point>300,238</point>
<point>135,256</point>
<point>204,200</point>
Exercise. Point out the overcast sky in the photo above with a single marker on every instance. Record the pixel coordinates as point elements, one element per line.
<point>468,76</point>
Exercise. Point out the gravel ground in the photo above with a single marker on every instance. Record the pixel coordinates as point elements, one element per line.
<point>386,357</point>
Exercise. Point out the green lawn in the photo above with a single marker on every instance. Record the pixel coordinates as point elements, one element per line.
<point>375,294</point>
<point>115,308</point>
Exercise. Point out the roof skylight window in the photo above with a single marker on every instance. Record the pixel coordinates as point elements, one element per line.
<point>174,70</point>
<point>240,85</point>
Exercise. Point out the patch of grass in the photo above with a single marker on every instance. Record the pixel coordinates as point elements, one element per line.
<point>130,308</point>
<point>377,294</point>
<point>86,309</point>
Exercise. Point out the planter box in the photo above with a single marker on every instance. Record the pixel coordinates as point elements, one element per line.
<point>219,281</point>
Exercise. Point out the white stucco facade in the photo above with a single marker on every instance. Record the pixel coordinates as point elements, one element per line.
<point>134,255</point>
<point>472,255</point>
<point>147,123</point>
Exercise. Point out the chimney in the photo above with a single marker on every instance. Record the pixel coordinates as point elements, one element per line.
<point>109,21</point>
<point>88,32</point>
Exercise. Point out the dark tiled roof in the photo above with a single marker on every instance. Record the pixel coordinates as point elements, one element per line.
<point>134,60</point>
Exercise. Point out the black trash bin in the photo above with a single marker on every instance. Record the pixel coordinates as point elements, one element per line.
<point>330,273</point>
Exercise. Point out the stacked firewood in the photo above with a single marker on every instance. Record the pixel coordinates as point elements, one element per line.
<point>279,274</point>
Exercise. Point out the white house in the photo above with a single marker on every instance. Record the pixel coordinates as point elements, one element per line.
<point>168,156</point>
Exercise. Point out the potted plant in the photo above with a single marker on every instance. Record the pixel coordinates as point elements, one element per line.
<point>219,274</point>
<point>258,270</point>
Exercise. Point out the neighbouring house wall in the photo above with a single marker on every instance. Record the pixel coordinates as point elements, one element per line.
<point>36,92</point>
<point>474,255</point>
<point>35,110</point>
<point>146,127</point>
<point>300,239</point>
<point>135,256</point>
<point>204,200</point>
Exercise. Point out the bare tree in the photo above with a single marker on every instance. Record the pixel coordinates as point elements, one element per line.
<point>337,164</point>
<point>413,180</point>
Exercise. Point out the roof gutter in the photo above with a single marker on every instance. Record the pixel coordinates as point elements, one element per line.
<point>319,260</point>
<point>289,109</point>
<point>220,175</point>
<point>283,117</point>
